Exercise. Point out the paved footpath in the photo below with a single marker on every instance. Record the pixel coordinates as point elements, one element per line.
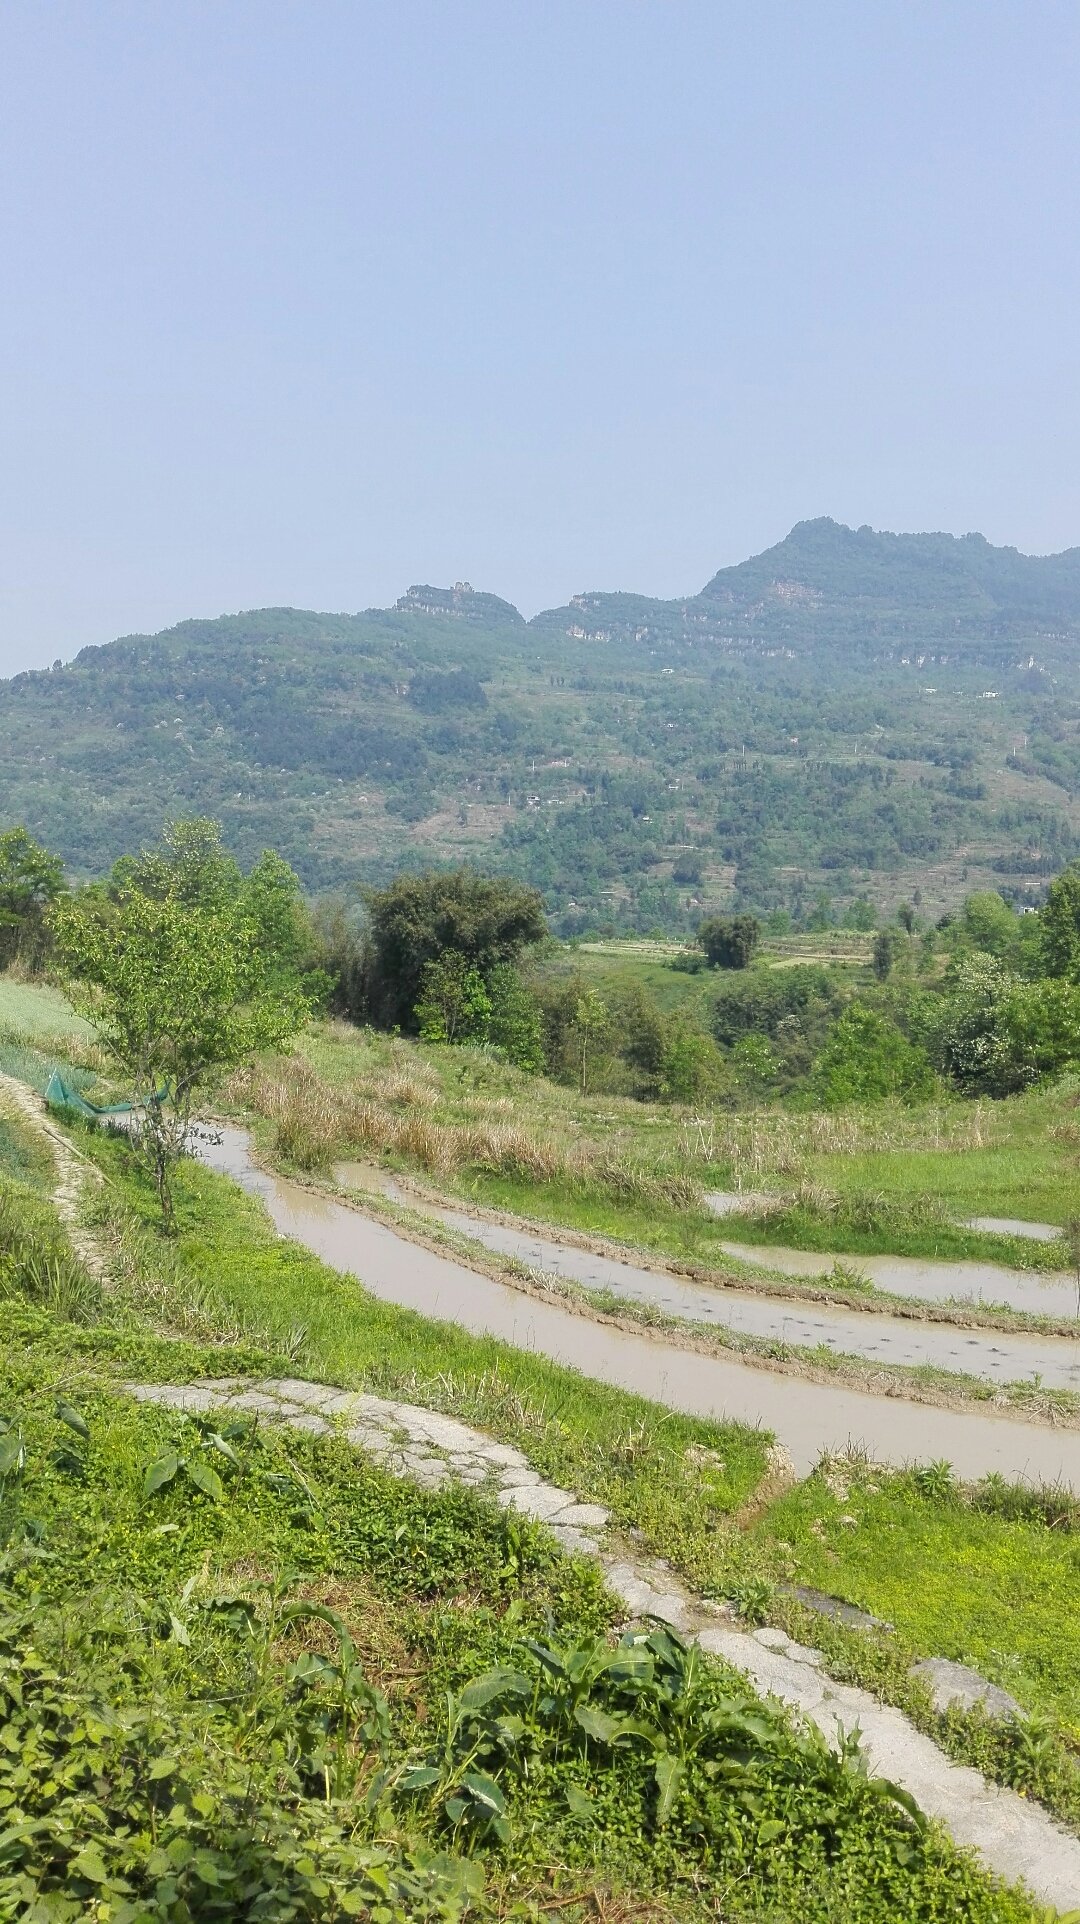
<point>1015,1838</point>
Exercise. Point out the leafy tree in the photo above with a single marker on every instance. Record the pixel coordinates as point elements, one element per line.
<point>906,917</point>
<point>453,1004</point>
<point>994,1033</point>
<point>883,954</point>
<point>729,941</point>
<point>181,990</point>
<point>488,920</point>
<point>754,1061</point>
<point>592,1026</point>
<point>1059,927</point>
<point>30,879</point>
<point>860,914</point>
<point>690,1065</point>
<point>988,923</point>
<point>866,1059</point>
<point>514,1025</point>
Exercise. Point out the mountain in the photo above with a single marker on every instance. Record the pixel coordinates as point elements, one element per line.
<point>850,712</point>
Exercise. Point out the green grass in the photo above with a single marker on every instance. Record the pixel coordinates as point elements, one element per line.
<point>35,1010</point>
<point>212,1699</point>
<point>999,1593</point>
<point>619,1449</point>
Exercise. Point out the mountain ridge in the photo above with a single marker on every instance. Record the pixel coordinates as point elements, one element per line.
<point>849,712</point>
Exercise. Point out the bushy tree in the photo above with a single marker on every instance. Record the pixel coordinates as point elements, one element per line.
<point>487,919</point>
<point>988,923</point>
<point>177,972</point>
<point>994,1033</point>
<point>514,1025</point>
<point>729,941</point>
<point>883,954</point>
<point>866,1059</point>
<point>30,879</point>
<point>1059,927</point>
<point>453,1004</point>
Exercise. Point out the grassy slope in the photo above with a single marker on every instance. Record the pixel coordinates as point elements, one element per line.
<point>251,1783</point>
<point>955,1584</point>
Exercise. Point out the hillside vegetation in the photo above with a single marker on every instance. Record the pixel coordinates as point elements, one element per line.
<point>642,762</point>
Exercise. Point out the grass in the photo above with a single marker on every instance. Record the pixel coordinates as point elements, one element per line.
<point>959,1580</point>
<point>36,1010</point>
<point>298,1688</point>
<point>644,1462</point>
<point>684,1485</point>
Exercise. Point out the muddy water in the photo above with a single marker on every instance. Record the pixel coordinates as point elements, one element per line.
<point>929,1280</point>
<point>1014,1226</point>
<point>995,1356</point>
<point>807,1417</point>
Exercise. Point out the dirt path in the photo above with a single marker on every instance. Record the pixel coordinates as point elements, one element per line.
<point>72,1169</point>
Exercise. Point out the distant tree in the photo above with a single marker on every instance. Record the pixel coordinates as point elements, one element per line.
<point>181,985</point>
<point>1059,927</point>
<point>690,1063</point>
<point>592,1028</point>
<point>860,914</point>
<point>514,1025</point>
<point>453,1004</point>
<point>30,879</point>
<point>488,920</point>
<point>729,941</point>
<point>754,1062</point>
<point>866,1059</point>
<point>905,915</point>
<point>988,923</point>
<point>883,954</point>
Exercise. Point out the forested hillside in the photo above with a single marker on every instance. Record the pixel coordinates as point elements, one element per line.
<point>849,714</point>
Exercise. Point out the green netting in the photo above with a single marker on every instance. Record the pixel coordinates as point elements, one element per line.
<point>61,1094</point>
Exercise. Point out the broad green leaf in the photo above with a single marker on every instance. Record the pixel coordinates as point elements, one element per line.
<point>492,1685</point>
<point>420,1777</point>
<point>162,1767</point>
<point>669,1774</point>
<point>484,1791</point>
<point>578,1801</point>
<point>177,1630</point>
<point>205,1479</point>
<point>898,1795</point>
<point>12,1454</point>
<point>772,1827</point>
<point>161,1473</point>
<point>607,1729</point>
<point>223,1448</point>
<point>70,1415</point>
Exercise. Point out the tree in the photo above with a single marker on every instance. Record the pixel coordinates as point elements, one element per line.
<point>592,1026</point>
<point>30,879</point>
<point>994,1033</point>
<point>487,919</point>
<point>905,915</point>
<point>690,1064</point>
<point>988,923</point>
<point>883,954</point>
<point>866,1059</point>
<point>180,990</point>
<point>1059,927</point>
<point>729,941</point>
<point>515,1024</point>
<point>453,1004</point>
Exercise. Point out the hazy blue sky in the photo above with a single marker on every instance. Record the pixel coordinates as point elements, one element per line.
<point>306,302</point>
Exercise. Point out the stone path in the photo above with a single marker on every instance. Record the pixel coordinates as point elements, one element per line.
<point>72,1169</point>
<point>1016,1839</point>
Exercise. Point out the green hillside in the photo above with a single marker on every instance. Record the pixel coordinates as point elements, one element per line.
<point>849,713</point>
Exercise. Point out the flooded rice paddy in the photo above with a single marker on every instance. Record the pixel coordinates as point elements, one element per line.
<point>808,1418</point>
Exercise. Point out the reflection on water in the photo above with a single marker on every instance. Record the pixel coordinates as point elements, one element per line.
<point>807,1417</point>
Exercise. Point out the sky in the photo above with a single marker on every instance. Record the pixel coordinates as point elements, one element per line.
<point>303,303</point>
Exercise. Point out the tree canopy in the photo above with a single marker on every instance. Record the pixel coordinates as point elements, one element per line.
<point>487,920</point>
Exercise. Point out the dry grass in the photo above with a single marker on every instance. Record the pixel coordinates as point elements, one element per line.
<point>315,1124</point>
<point>771,1143</point>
